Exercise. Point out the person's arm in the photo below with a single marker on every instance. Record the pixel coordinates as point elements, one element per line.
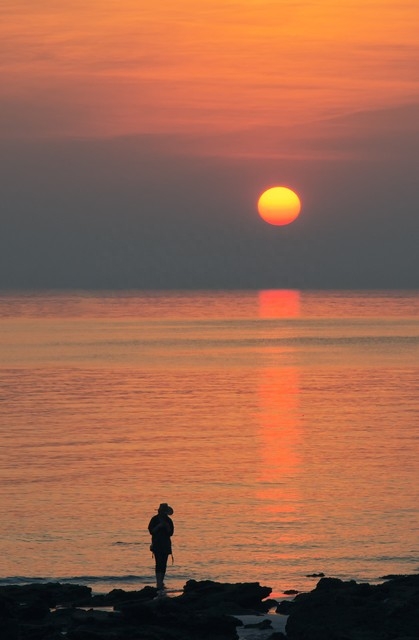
<point>156,523</point>
<point>152,525</point>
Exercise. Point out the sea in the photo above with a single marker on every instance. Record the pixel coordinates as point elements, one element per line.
<point>282,426</point>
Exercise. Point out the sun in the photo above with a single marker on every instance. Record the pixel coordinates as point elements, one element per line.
<point>279,205</point>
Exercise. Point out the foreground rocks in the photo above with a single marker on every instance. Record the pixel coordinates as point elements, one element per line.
<point>334,610</point>
<point>337,610</point>
<point>204,611</point>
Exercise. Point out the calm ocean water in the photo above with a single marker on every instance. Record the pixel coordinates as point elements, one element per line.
<point>282,426</point>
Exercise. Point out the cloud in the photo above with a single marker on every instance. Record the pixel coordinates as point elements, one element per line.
<point>369,133</point>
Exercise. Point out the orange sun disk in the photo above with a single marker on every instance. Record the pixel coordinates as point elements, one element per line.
<point>279,205</point>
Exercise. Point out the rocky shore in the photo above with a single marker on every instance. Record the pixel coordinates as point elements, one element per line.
<point>337,610</point>
<point>206,610</point>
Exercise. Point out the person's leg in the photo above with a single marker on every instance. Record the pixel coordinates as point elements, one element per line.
<point>161,565</point>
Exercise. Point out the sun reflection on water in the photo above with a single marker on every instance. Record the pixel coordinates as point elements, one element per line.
<point>280,429</point>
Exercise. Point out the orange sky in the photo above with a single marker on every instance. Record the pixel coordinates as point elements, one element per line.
<point>120,67</point>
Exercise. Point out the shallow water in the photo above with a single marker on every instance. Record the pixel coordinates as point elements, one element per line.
<point>282,426</point>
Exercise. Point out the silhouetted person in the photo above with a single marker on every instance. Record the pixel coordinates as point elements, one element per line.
<point>161,529</point>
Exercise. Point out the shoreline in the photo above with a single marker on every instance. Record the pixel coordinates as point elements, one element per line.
<point>207,610</point>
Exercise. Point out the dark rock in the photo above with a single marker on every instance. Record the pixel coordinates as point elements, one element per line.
<point>333,584</point>
<point>291,592</point>
<point>268,605</point>
<point>8,618</point>
<point>9,629</point>
<point>51,593</point>
<point>33,610</point>
<point>8,607</point>
<point>277,635</point>
<point>136,612</point>
<point>38,632</point>
<point>207,627</point>
<point>85,633</point>
<point>334,610</point>
<point>315,575</point>
<point>337,610</point>
<point>52,611</point>
<point>117,596</point>
<point>226,597</point>
<point>285,607</point>
<point>94,616</point>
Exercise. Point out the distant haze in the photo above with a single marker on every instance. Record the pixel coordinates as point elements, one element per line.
<point>135,142</point>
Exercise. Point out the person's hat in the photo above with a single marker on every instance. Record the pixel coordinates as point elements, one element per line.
<point>164,508</point>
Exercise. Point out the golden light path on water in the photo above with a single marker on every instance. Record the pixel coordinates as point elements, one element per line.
<point>278,393</point>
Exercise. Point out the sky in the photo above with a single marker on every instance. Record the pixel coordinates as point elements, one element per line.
<point>137,136</point>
